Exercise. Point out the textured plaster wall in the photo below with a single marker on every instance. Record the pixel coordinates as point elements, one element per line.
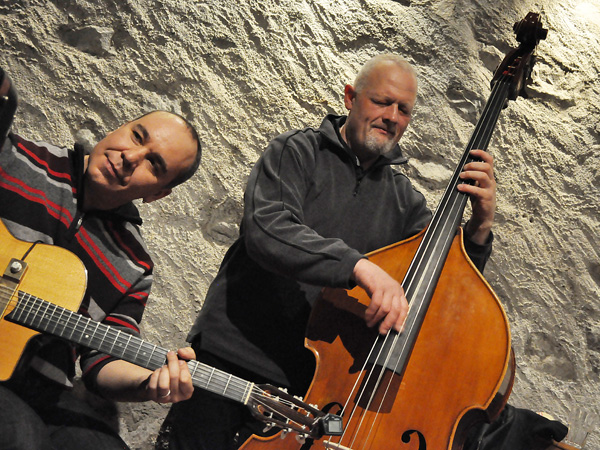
<point>244,71</point>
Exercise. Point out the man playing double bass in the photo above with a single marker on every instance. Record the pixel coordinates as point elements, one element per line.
<point>316,202</point>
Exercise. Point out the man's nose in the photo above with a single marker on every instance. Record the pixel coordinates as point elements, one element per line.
<point>391,113</point>
<point>132,157</point>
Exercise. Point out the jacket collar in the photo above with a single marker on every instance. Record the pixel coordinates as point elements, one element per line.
<point>330,130</point>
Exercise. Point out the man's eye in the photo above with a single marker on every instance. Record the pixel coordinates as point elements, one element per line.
<point>137,136</point>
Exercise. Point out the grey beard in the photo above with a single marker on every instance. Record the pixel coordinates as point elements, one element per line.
<point>375,148</point>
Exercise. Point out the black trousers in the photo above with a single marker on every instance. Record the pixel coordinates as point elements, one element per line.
<point>38,414</point>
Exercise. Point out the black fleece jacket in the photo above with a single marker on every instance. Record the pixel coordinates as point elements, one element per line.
<point>311,212</point>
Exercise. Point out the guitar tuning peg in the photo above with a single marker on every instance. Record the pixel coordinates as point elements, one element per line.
<point>301,438</point>
<point>268,426</point>
<point>284,433</point>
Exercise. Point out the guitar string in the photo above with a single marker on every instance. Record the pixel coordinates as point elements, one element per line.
<point>478,134</point>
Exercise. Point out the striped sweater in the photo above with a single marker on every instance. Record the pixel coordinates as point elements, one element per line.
<point>40,198</point>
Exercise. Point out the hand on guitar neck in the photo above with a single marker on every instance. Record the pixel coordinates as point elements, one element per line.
<point>169,384</point>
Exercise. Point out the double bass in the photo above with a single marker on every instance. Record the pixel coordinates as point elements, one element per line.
<point>451,367</point>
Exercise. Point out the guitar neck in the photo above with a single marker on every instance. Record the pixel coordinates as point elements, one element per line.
<point>46,317</point>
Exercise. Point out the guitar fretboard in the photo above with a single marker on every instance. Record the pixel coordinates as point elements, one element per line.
<point>46,317</point>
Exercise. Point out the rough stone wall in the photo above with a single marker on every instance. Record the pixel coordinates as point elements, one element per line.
<point>244,71</point>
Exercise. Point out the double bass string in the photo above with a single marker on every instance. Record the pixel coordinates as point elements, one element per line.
<point>370,373</point>
<point>448,213</point>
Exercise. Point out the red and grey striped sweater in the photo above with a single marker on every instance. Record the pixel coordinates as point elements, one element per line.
<point>40,192</point>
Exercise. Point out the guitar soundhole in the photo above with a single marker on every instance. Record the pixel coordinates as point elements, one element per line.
<point>407,436</point>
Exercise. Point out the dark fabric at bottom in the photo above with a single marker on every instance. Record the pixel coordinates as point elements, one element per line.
<point>516,429</point>
<point>37,414</point>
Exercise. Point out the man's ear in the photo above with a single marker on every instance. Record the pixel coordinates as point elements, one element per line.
<point>349,95</point>
<point>157,195</point>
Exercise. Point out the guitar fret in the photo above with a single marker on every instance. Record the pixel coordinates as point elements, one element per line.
<point>115,335</point>
<point>103,342</point>
<point>29,313</point>
<point>20,309</point>
<point>44,315</point>
<point>93,335</point>
<point>84,333</point>
<point>75,326</point>
<point>125,345</point>
<point>193,365</point>
<point>58,320</point>
<point>114,341</point>
<point>226,384</point>
<point>210,377</point>
<point>143,355</point>
<point>65,318</point>
<point>152,353</point>
<point>135,357</point>
<point>38,315</point>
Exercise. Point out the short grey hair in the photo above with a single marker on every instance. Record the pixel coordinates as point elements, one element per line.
<point>365,71</point>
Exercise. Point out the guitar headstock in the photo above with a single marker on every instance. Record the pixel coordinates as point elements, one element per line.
<point>8,105</point>
<point>276,408</point>
<point>518,63</point>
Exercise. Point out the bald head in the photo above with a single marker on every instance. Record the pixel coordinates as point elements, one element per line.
<point>189,171</point>
<point>385,59</point>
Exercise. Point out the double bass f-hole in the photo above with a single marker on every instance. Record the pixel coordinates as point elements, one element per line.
<point>407,436</point>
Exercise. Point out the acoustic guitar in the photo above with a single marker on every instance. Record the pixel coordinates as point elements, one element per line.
<point>41,289</point>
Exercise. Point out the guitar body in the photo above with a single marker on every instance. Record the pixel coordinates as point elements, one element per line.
<point>53,273</point>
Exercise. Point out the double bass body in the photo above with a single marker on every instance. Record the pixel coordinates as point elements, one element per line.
<point>456,368</point>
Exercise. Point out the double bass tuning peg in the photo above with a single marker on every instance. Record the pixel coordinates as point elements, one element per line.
<point>530,30</point>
